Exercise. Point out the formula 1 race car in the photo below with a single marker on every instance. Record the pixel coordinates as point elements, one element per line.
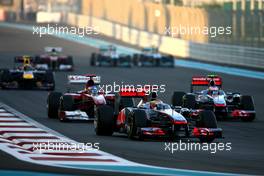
<point>52,59</point>
<point>224,104</point>
<point>26,77</point>
<point>77,105</point>
<point>108,56</point>
<point>153,119</point>
<point>150,56</point>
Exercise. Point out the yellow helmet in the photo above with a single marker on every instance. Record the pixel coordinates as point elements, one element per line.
<point>26,60</point>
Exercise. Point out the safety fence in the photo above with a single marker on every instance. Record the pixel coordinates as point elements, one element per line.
<point>217,53</point>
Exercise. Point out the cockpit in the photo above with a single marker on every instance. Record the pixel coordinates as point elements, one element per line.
<point>155,106</point>
<point>213,92</point>
<point>163,106</point>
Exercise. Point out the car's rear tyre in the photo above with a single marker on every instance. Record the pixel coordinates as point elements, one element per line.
<point>135,59</point>
<point>37,60</point>
<point>5,76</point>
<point>104,122</point>
<point>207,120</point>
<point>70,60</point>
<point>93,59</point>
<point>157,62</point>
<point>53,104</point>
<point>126,102</point>
<point>130,62</point>
<point>115,63</point>
<point>138,120</point>
<point>177,98</point>
<point>50,80</point>
<point>247,103</point>
<point>172,61</point>
<point>122,102</point>
<point>189,101</point>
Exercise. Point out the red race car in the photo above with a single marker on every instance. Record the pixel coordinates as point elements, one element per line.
<point>52,59</point>
<point>77,105</point>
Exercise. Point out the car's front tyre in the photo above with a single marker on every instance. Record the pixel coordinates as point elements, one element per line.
<point>138,120</point>
<point>53,103</point>
<point>104,121</point>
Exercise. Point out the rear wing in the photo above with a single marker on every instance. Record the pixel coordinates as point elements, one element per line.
<point>49,49</point>
<point>205,80</point>
<point>83,79</point>
<point>134,93</point>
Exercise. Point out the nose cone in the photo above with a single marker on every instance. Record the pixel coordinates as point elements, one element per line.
<point>179,119</point>
<point>175,115</point>
<point>28,76</point>
<point>219,100</point>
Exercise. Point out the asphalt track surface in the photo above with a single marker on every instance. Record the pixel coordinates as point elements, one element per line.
<point>245,157</point>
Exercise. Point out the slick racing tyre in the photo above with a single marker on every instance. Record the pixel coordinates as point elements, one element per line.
<point>50,80</point>
<point>171,58</point>
<point>5,76</point>
<point>93,59</point>
<point>135,59</point>
<point>104,121</point>
<point>189,101</point>
<point>126,102</point>
<point>247,103</point>
<point>129,60</point>
<point>122,102</point>
<point>138,120</point>
<point>207,120</point>
<point>177,98</point>
<point>157,62</point>
<point>66,104</point>
<point>114,62</point>
<point>70,60</point>
<point>53,104</point>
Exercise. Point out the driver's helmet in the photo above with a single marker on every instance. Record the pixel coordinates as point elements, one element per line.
<point>53,51</point>
<point>212,89</point>
<point>153,96</point>
<point>154,103</point>
<point>211,83</point>
<point>93,90</point>
<point>89,84</point>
